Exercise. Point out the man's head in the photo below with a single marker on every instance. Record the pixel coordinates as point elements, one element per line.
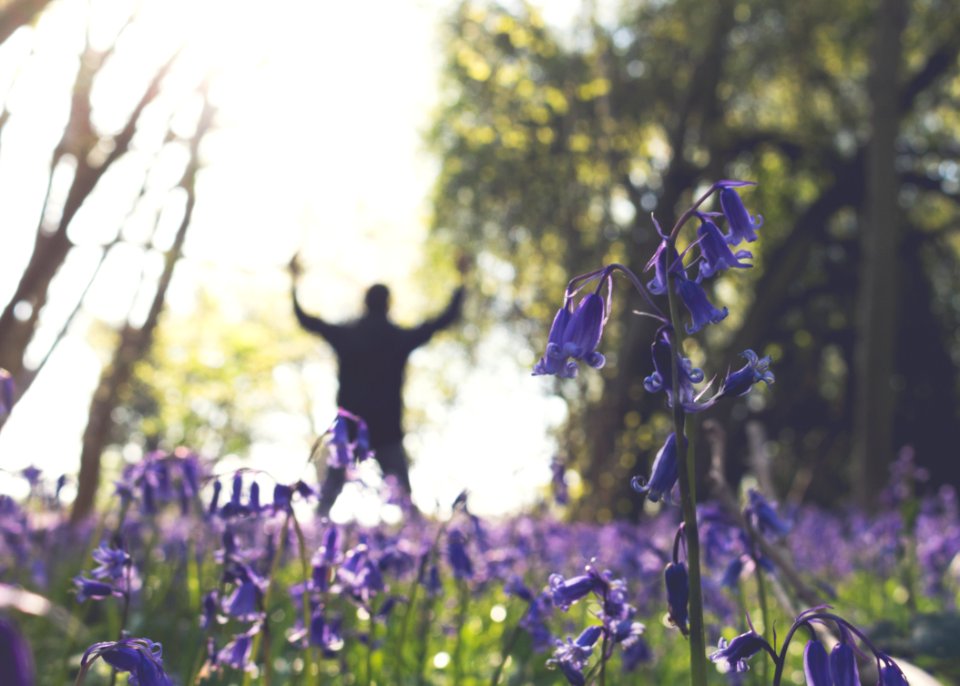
<point>377,300</point>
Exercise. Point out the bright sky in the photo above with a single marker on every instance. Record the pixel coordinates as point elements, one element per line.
<point>321,108</point>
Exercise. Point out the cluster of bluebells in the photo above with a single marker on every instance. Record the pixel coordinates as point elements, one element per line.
<point>578,325</point>
<point>616,628</point>
<point>839,668</point>
<point>114,575</point>
<point>161,478</point>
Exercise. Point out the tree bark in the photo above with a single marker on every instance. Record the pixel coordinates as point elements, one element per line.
<point>880,236</point>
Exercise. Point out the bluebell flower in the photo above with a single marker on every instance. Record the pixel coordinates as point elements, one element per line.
<point>731,575</point>
<point>214,498</point>
<point>733,656</point>
<point>743,227</point>
<point>141,658</point>
<point>236,654</point>
<point>715,252</point>
<point>89,588</point>
<point>574,335</point>
<point>558,482</point>
<point>113,563</point>
<point>341,452</point>
<point>891,674</point>
<point>565,592</point>
<point>554,361</point>
<point>764,517</point>
<point>702,311</point>
<point>245,603</point>
<point>742,380</point>
<point>816,665</point>
<point>15,657</point>
<point>572,655</point>
<point>678,594</point>
<point>457,555</point>
<point>665,257</point>
<point>661,351</point>
<point>843,665</point>
<point>663,474</point>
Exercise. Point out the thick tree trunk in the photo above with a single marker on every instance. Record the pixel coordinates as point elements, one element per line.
<point>876,325</point>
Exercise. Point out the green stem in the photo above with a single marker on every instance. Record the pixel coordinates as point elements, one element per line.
<point>305,568</point>
<point>370,639</point>
<point>461,619</point>
<point>505,653</point>
<point>274,566</point>
<point>688,496</point>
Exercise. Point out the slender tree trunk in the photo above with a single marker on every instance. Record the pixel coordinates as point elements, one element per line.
<point>134,344</point>
<point>877,314</point>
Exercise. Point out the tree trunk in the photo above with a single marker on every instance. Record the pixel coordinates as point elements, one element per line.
<point>872,440</point>
<point>134,344</point>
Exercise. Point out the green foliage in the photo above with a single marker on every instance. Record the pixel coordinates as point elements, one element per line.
<point>211,377</point>
<point>556,143</point>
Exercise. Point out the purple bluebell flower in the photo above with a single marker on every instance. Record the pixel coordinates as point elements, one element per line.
<point>565,592</point>
<point>457,555</point>
<point>554,361</point>
<point>678,594</point>
<point>572,655</point>
<point>32,475</point>
<point>816,664</point>
<point>742,380</point>
<point>341,451</point>
<point>574,335</point>
<point>210,611</point>
<point>891,674</point>
<point>236,654</point>
<point>716,254</point>
<point>764,517</point>
<point>743,227</point>
<point>702,311</point>
<point>214,498</point>
<point>661,350</point>
<point>89,588</point>
<point>359,576</point>
<point>663,474</point>
<point>245,603</point>
<point>141,658</point>
<point>113,563</point>
<point>843,665</point>
<point>733,656</point>
<point>665,257</point>
<point>16,660</point>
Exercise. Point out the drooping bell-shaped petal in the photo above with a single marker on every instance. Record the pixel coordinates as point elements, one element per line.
<point>583,333</point>
<point>678,594</point>
<point>715,252</point>
<point>236,654</point>
<point>662,376</point>
<point>816,665</point>
<point>891,674</point>
<point>733,656</point>
<point>340,451</point>
<point>554,361</point>
<point>664,258</point>
<point>457,555</point>
<point>843,665</point>
<point>89,588</point>
<point>141,658</point>
<point>565,592</point>
<point>663,474</point>
<point>702,311</point>
<point>743,227</point>
<point>764,516</point>
<point>16,660</point>
<point>742,380</point>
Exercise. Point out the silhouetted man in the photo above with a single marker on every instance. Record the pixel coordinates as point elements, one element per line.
<point>372,355</point>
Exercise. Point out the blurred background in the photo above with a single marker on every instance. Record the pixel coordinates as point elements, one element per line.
<point>162,161</point>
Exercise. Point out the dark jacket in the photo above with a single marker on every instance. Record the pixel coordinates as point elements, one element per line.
<point>372,355</point>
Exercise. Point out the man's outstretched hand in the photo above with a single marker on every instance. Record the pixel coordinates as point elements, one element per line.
<point>294,267</point>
